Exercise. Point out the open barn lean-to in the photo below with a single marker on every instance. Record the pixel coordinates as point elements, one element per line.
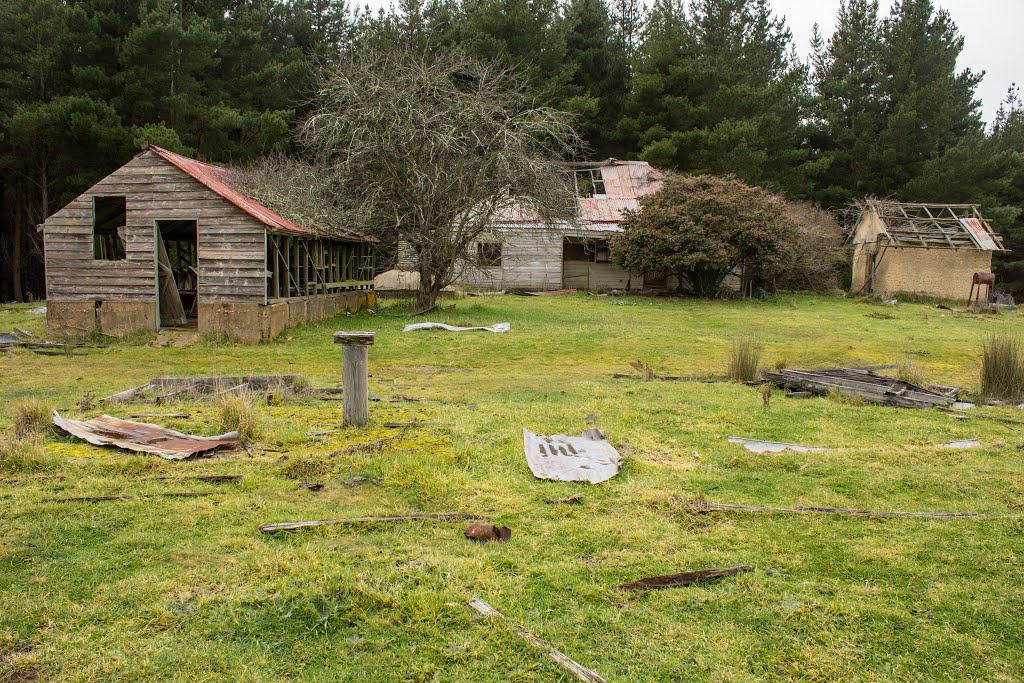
<point>168,241</point>
<point>521,253</point>
<point>930,249</point>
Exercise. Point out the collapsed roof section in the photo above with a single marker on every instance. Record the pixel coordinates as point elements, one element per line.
<point>942,226</point>
<point>219,179</point>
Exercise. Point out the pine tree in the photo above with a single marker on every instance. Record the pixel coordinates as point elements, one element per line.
<point>928,104</point>
<point>847,105</point>
<point>597,87</point>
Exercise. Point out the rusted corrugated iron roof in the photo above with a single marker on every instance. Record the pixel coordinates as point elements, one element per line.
<point>143,437</point>
<point>218,179</point>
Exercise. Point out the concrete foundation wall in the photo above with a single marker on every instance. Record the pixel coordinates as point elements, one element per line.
<point>70,318</point>
<point>245,321</point>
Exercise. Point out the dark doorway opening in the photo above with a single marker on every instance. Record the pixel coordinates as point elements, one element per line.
<point>178,272</point>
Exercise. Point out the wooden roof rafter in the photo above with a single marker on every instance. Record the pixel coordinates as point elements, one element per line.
<point>946,226</point>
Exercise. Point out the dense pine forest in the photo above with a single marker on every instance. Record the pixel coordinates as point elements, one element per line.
<point>878,109</point>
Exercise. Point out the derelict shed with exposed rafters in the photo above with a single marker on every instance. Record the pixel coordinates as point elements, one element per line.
<point>931,249</point>
<point>169,241</point>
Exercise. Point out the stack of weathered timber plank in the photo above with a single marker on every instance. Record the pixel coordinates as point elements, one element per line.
<point>865,384</point>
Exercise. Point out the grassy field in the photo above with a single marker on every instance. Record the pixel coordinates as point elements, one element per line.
<point>190,590</point>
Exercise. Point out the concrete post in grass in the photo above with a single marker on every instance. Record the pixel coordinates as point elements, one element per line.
<point>354,375</point>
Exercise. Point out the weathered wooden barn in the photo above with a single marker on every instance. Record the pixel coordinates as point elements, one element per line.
<point>930,249</point>
<point>168,241</point>
<point>524,254</point>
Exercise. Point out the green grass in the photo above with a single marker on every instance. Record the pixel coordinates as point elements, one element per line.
<point>188,589</point>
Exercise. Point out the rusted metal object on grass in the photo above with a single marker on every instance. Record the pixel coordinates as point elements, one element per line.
<point>683,579</point>
<point>143,437</point>
<point>488,532</point>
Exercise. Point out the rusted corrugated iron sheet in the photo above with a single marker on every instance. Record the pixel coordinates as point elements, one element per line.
<point>571,458</point>
<point>219,180</point>
<point>980,235</point>
<point>143,437</point>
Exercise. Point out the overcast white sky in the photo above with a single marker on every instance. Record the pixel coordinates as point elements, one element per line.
<point>991,29</point>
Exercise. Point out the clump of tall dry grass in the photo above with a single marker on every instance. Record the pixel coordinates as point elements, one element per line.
<point>1002,368</point>
<point>744,359</point>
<point>238,413</point>
<point>31,417</point>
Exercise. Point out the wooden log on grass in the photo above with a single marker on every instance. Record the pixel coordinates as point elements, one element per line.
<point>684,579</point>
<point>275,527</point>
<point>577,670</point>
<point>708,506</point>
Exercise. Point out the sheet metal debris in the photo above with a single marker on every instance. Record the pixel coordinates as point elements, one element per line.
<point>497,327</point>
<point>864,383</point>
<point>755,446</point>
<point>143,437</point>
<point>966,443</point>
<point>488,532</point>
<point>684,579</point>
<point>571,458</point>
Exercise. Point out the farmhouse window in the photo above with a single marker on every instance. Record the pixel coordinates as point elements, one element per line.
<point>109,218</point>
<point>589,183</point>
<point>488,254</point>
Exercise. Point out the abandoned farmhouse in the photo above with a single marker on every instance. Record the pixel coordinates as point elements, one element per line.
<point>930,249</point>
<point>168,241</point>
<point>525,254</point>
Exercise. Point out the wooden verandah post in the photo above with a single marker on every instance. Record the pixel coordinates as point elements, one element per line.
<point>354,375</point>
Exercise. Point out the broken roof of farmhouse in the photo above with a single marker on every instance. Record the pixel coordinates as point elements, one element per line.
<point>950,226</point>
<point>219,180</point>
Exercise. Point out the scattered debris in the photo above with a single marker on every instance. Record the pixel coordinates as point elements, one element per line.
<point>568,500</point>
<point>683,579</point>
<point>292,526</point>
<point>143,437</point>
<point>210,478</point>
<point>799,394</point>
<point>755,446</point>
<point>497,327</point>
<point>20,338</point>
<point>578,671</point>
<point>360,480</point>
<point>311,487</point>
<point>136,416</point>
<point>588,457</point>
<point>962,405</point>
<point>100,499</point>
<point>944,307</point>
<point>863,383</point>
<point>170,388</point>
<point>403,425</point>
<point>488,532</point>
<point>967,443</point>
<point>702,506</point>
<point>994,418</point>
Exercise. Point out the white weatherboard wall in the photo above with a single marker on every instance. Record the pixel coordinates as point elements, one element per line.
<point>531,258</point>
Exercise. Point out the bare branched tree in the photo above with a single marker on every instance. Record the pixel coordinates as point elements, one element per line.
<point>433,148</point>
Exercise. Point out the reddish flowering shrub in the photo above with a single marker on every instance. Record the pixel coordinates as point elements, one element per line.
<point>701,228</point>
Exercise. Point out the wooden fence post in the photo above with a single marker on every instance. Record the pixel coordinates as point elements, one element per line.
<point>354,375</point>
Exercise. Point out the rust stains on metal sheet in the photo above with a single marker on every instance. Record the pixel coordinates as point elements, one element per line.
<point>571,458</point>
<point>143,437</point>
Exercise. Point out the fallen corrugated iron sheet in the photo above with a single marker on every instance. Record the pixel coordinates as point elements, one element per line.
<point>143,437</point>
<point>571,458</point>
<point>865,384</point>
<point>497,327</point>
<point>755,446</point>
<point>966,443</point>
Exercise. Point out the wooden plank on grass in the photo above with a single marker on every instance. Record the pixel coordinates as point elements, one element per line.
<point>292,526</point>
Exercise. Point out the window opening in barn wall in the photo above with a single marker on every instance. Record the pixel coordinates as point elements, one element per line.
<point>589,183</point>
<point>109,218</point>
<point>178,270</point>
<point>488,254</point>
